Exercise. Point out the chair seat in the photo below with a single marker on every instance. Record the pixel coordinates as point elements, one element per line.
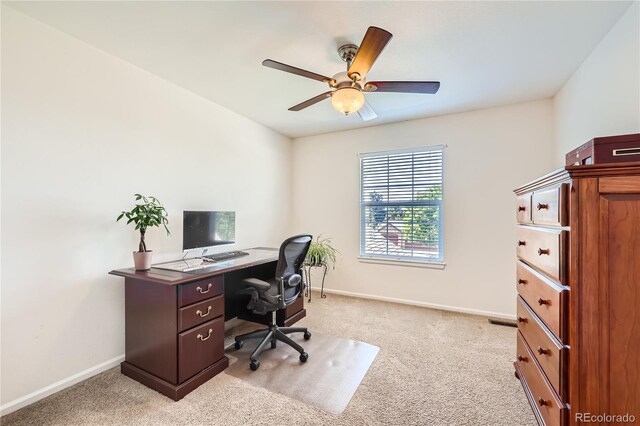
<point>257,284</point>
<point>269,286</point>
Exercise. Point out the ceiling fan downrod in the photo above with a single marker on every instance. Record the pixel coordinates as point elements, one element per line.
<point>347,52</point>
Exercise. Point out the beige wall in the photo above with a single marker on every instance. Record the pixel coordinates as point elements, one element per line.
<point>603,96</point>
<point>81,132</point>
<point>490,152</point>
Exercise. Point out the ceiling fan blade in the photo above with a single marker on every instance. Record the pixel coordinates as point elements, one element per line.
<point>366,112</point>
<point>426,87</point>
<point>370,48</point>
<point>311,101</point>
<point>297,71</point>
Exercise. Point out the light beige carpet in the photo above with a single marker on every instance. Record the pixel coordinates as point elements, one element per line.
<point>327,380</point>
<point>433,368</point>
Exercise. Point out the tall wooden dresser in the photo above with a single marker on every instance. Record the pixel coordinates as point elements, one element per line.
<point>578,304</point>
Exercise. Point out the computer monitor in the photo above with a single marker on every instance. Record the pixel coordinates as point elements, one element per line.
<point>203,230</point>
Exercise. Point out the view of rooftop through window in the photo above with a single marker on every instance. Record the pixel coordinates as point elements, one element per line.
<point>401,204</point>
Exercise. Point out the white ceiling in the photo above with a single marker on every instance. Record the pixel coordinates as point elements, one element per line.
<point>484,53</point>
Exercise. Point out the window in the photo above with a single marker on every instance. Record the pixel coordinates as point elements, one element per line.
<point>401,205</point>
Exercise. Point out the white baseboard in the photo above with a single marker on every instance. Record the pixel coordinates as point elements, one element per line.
<point>21,402</point>
<point>422,304</point>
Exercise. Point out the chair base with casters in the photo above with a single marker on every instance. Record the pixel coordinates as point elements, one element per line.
<point>270,336</point>
<point>270,295</point>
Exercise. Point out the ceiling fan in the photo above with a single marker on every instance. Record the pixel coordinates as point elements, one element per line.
<point>347,87</point>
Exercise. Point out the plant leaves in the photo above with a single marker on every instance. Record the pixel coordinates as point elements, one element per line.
<point>149,212</point>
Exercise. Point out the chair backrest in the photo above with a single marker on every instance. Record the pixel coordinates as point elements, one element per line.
<point>292,254</point>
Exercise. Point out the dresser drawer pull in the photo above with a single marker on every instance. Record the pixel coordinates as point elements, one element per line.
<point>542,301</point>
<point>542,206</point>
<point>201,337</point>
<point>521,281</point>
<point>523,320</point>
<point>543,251</point>
<point>521,208</point>
<point>522,243</point>
<point>199,312</point>
<point>542,402</point>
<point>206,291</point>
<point>523,358</point>
<point>543,351</point>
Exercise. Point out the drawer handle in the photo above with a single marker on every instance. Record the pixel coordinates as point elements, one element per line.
<point>199,312</point>
<point>206,291</point>
<point>522,243</point>
<point>543,351</point>
<point>523,320</point>
<point>542,206</point>
<point>201,337</point>
<point>542,301</point>
<point>523,358</point>
<point>543,251</point>
<point>542,402</point>
<point>521,281</point>
<point>521,208</point>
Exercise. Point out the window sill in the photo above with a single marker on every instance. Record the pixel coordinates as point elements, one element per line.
<point>398,262</point>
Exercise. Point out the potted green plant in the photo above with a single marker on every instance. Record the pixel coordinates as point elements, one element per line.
<point>321,254</point>
<point>148,211</point>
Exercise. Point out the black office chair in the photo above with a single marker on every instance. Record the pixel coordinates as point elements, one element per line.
<point>277,293</point>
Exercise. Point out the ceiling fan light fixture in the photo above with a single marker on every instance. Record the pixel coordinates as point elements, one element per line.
<point>347,100</point>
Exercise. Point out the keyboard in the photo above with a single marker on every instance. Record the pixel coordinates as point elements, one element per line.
<point>225,256</point>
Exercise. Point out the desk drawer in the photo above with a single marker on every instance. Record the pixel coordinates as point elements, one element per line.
<point>547,350</point>
<point>549,206</point>
<point>201,312</point>
<point>545,249</point>
<point>523,209</point>
<point>546,298</point>
<point>199,348</point>
<point>543,399</point>
<point>199,290</point>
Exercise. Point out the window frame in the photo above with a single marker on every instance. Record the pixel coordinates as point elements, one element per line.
<point>437,263</point>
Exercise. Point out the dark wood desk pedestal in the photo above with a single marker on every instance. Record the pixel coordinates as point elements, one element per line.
<point>174,321</point>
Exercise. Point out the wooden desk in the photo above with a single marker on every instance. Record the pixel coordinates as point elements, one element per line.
<point>174,321</point>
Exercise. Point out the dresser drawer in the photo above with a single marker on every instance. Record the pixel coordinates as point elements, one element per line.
<point>523,209</point>
<point>199,290</point>
<point>545,249</point>
<point>544,401</point>
<point>547,299</point>
<point>547,350</point>
<point>198,313</point>
<point>199,348</point>
<point>549,206</point>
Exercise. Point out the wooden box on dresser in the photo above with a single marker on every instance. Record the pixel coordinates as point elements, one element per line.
<point>578,304</point>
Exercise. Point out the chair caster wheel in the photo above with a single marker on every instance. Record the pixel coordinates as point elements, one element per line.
<point>273,344</point>
<point>307,335</point>
<point>304,357</point>
<point>254,365</point>
<point>238,344</point>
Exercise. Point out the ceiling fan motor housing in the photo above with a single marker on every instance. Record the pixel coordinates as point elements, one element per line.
<point>342,80</point>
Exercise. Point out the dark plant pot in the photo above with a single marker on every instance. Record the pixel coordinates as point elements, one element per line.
<point>142,260</point>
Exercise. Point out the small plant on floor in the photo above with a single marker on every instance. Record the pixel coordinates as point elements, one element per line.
<point>147,212</point>
<point>321,254</point>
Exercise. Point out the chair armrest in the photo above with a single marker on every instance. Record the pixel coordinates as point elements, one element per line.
<point>257,284</point>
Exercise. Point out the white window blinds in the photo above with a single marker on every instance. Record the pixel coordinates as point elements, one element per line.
<point>401,204</point>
